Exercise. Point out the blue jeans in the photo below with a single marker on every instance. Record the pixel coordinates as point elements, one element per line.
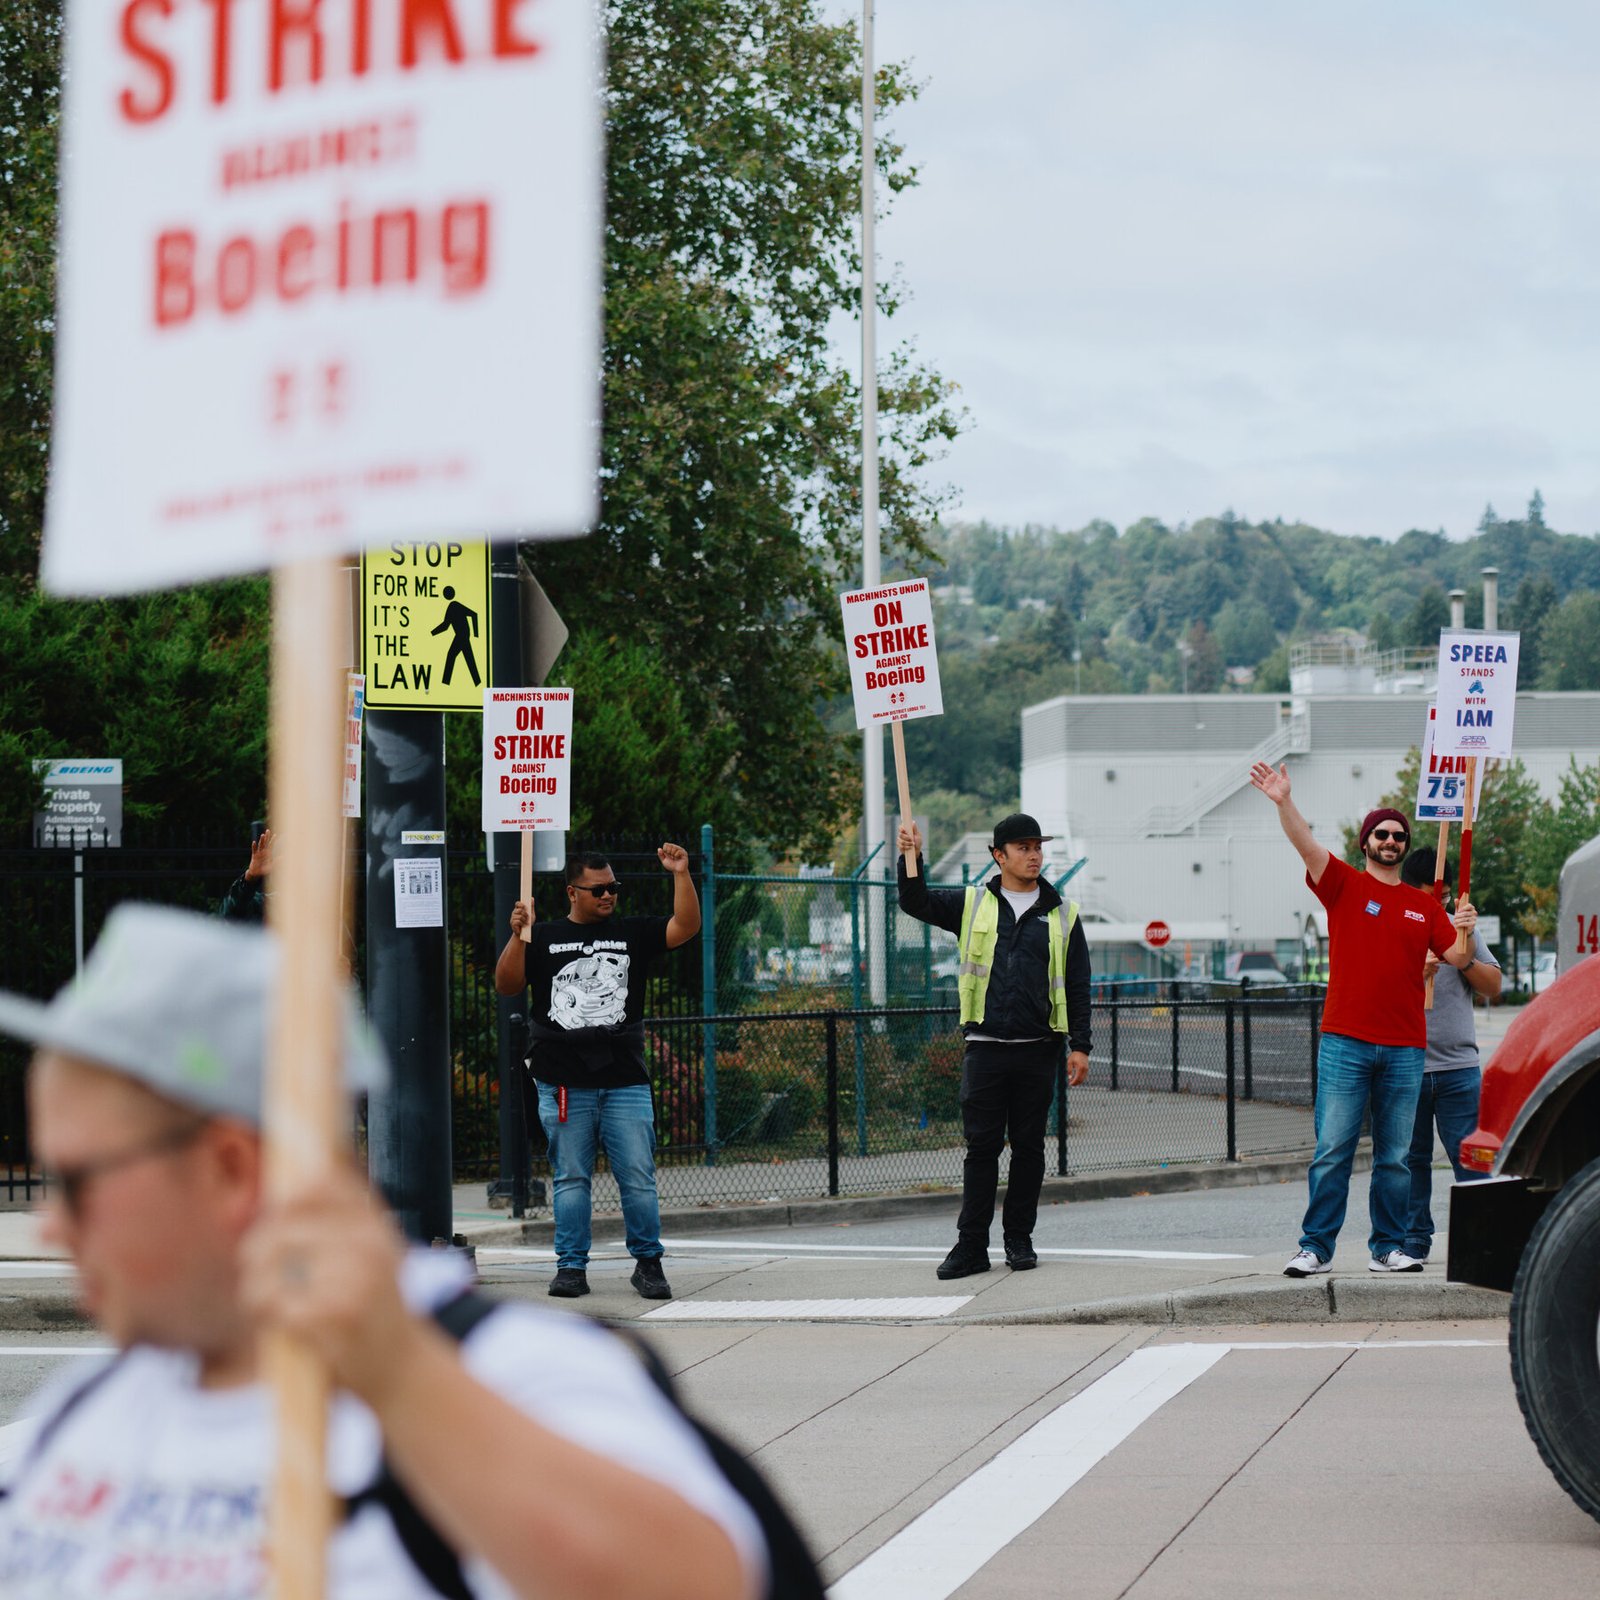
<point>624,1121</point>
<point>1449,1099</point>
<point>1351,1076</point>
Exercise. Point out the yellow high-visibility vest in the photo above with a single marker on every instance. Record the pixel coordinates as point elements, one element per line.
<point>980,926</point>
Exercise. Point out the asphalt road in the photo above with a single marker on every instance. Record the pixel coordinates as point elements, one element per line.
<point>1013,1463</point>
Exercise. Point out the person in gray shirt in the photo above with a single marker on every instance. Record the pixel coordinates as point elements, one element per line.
<point>1450,1072</point>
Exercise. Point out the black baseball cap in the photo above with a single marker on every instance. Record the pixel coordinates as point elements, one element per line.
<point>1019,825</point>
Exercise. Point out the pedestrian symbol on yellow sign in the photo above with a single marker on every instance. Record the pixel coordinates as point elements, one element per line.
<point>425,626</point>
<point>459,617</point>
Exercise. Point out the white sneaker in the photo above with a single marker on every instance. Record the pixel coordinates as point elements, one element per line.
<point>1395,1261</point>
<point>1305,1264</point>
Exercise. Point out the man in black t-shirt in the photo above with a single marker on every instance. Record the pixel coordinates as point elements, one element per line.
<point>587,973</point>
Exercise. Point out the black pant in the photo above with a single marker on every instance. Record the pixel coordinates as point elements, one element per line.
<point>1005,1088</point>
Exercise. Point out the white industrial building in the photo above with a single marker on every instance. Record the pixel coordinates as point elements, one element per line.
<point>1154,789</point>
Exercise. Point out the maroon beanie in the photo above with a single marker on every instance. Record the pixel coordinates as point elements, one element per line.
<point>1383,814</point>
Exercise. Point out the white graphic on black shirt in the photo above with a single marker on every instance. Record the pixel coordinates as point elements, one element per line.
<point>591,992</point>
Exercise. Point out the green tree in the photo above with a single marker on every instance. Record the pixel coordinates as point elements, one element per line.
<point>1554,832</point>
<point>30,45</point>
<point>730,512</point>
<point>1205,663</point>
<point>173,684</point>
<point>1244,633</point>
<point>1428,618</point>
<point>1382,634</point>
<point>730,445</point>
<point>1535,600</point>
<point>1569,644</point>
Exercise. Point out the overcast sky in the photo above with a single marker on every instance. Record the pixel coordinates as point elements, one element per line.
<point>1331,262</point>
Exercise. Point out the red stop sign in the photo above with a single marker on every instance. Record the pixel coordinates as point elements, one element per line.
<point>1156,933</point>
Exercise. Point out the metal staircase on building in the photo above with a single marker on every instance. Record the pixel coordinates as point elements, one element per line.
<point>1290,737</point>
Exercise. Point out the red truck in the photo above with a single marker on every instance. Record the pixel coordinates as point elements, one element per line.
<point>1534,1226</point>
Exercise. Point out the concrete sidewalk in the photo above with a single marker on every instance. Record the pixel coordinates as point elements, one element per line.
<point>758,1276</point>
<point>728,1261</point>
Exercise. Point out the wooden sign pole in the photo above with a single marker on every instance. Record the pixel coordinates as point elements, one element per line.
<point>303,1097</point>
<point>1439,895</point>
<point>1464,874</point>
<point>525,883</point>
<point>898,737</point>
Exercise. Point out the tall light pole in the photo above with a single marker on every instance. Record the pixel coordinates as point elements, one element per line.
<point>873,826</point>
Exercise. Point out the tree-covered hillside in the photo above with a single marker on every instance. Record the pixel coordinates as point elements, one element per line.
<point>1210,606</point>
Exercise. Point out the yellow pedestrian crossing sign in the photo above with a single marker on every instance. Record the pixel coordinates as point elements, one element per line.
<point>425,626</point>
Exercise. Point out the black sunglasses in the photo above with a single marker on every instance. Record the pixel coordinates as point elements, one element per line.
<point>71,1182</point>
<point>1389,833</point>
<point>600,889</point>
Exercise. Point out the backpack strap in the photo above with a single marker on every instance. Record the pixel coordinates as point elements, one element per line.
<point>429,1552</point>
<point>50,1426</point>
<point>794,1574</point>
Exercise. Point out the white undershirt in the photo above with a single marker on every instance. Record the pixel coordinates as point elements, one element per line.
<point>1021,899</point>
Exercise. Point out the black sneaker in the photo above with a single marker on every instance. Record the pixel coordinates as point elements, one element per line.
<point>1020,1255</point>
<point>963,1261</point>
<point>569,1283</point>
<point>650,1280</point>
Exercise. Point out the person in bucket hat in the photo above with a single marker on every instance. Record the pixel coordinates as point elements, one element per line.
<point>146,1474</point>
<point>1024,992</point>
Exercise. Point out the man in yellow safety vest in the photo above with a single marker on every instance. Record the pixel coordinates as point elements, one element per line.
<point>1024,989</point>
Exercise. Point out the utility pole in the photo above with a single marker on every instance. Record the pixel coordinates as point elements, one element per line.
<point>874,830</point>
<point>408,993</point>
<point>505,852</point>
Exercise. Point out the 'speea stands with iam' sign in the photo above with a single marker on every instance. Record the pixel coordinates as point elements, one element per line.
<point>1476,712</point>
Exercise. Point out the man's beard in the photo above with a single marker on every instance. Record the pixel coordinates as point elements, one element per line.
<point>1375,854</point>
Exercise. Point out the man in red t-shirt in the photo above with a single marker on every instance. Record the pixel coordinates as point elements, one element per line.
<point>1374,1033</point>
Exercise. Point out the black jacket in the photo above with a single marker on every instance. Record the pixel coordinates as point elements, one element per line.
<point>1017,1005</point>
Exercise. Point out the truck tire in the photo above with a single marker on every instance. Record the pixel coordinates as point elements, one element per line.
<point>1555,1337</point>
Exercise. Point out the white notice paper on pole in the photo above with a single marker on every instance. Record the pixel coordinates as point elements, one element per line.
<point>330,276</point>
<point>1442,781</point>
<point>419,892</point>
<point>527,760</point>
<point>355,700</point>
<point>1477,693</point>
<point>894,666</point>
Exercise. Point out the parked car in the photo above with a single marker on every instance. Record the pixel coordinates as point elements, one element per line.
<point>1259,966</point>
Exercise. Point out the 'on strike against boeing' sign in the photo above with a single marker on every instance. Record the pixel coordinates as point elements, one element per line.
<point>330,276</point>
<point>527,759</point>
<point>894,667</point>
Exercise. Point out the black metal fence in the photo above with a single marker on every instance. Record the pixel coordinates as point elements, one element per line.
<point>790,1089</point>
<point>805,1104</point>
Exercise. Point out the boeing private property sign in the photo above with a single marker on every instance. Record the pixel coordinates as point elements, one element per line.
<point>82,803</point>
<point>1477,704</point>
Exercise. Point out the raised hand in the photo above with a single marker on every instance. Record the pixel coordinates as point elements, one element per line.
<point>1273,782</point>
<point>673,857</point>
<point>260,857</point>
<point>910,839</point>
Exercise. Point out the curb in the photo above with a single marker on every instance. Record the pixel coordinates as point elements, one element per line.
<point>873,1208</point>
<point>44,1311</point>
<point>1334,1299</point>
